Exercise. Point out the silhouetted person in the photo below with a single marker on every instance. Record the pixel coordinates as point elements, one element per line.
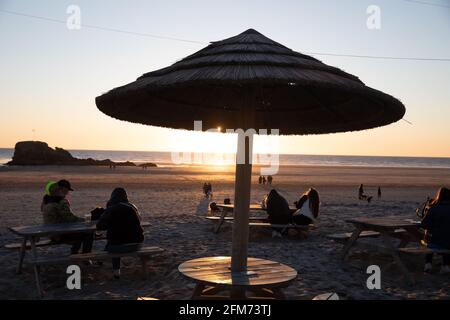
<point>260,180</point>
<point>362,196</point>
<point>209,194</point>
<point>205,189</point>
<point>307,208</point>
<point>379,192</point>
<point>122,223</point>
<point>437,226</point>
<point>361,192</point>
<point>269,179</point>
<point>264,180</point>
<point>56,209</point>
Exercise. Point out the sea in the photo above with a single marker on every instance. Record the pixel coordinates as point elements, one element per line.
<point>182,159</point>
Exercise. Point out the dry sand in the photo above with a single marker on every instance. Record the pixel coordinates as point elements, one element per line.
<point>172,201</point>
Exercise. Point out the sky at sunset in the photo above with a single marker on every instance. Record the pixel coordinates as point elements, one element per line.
<point>50,75</point>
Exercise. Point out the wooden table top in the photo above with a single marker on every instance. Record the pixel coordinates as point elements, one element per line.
<point>385,222</point>
<point>253,206</point>
<point>57,229</point>
<point>216,271</point>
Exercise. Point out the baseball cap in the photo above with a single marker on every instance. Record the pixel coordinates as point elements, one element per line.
<point>65,184</point>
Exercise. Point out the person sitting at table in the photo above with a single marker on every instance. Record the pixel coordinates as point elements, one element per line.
<point>278,210</point>
<point>56,209</point>
<point>437,226</point>
<point>307,208</point>
<point>122,222</point>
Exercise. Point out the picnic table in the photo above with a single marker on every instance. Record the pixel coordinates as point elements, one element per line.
<point>33,233</point>
<point>227,208</point>
<point>388,228</point>
<point>213,275</point>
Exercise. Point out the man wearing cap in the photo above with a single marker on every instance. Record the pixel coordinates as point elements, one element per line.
<point>56,209</point>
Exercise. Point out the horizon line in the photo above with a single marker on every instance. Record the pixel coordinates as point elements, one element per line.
<point>299,154</point>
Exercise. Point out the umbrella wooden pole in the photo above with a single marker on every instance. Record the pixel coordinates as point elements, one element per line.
<point>241,207</point>
<point>243,181</point>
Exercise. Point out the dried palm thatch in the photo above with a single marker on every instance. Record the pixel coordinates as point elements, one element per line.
<point>293,92</point>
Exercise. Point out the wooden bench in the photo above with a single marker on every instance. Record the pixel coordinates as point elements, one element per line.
<point>45,243</point>
<point>422,251</point>
<point>219,220</point>
<point>267,225</point>
<point>344,237</point>
<point>17,246</point>
<point>143,254</point>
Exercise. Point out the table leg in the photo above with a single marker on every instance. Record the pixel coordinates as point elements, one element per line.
<point>211,291</point>
<point>237,293</point>
<point>278,294</point>
<point>36,267</point>
<point>22,252</point>
<point>393,250</point>
<point>144,267</point>
<point>221,221</point>
<point>351,242</point>
<point>197,294</point>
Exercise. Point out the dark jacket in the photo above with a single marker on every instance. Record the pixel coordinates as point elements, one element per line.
<point>278,208</point>
<point>437,223</point>
<point>121,220</point>
<point>57,210</point>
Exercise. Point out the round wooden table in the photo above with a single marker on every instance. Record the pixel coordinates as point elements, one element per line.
<point>263,278</point>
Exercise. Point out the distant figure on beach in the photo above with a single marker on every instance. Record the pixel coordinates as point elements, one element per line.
<point>379,192</point>
<point>437,226</point>
<point>260,180</point>
<point>205,189</point>
<point>209,189</point>
<point>362,196</point>
<point>361,192</point>
<point>264,180</point>
<point>122,223</point>
<point>307,208</point>
<point>56,209</point>
<point>269,180</point>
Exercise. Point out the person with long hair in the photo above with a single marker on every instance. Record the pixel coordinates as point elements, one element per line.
<point>437,227</point>
<point>307,208</point>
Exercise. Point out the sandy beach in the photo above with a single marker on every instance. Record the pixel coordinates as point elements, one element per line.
<point>172,201</point>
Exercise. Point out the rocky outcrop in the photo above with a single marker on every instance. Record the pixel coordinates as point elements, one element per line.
<point>37,153</point>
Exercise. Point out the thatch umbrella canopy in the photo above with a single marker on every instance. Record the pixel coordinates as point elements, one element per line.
<point>289,88</point>
<point>251,81</point>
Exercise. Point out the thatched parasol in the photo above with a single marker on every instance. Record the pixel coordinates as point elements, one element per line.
<point>251,81</point>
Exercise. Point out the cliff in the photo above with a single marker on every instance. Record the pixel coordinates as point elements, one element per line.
<point>37,153</point>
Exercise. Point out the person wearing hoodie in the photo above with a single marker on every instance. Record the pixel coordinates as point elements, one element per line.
<point>437,226</point>
<point>56,209</point>
<point>122,223</point>
<point>307,208</point>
